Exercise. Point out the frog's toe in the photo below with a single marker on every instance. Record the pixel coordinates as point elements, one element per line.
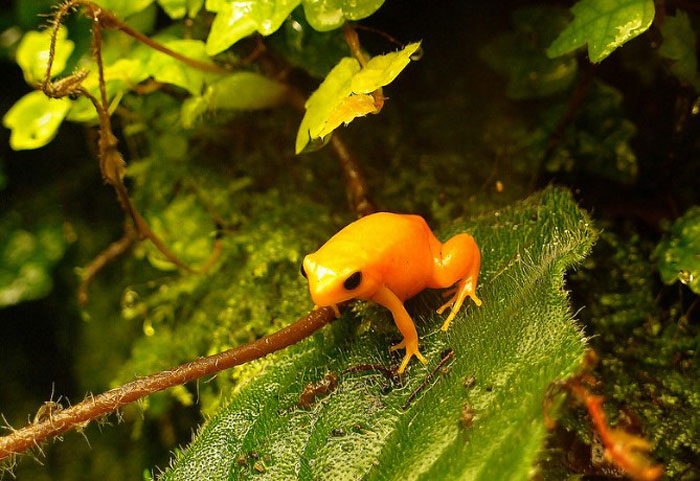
<point>411,350</point>
<point>449,303</point>
<point>398,346</point>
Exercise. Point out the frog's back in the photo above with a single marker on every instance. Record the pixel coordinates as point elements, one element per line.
<point>395,246</point>
<point>382,231</point>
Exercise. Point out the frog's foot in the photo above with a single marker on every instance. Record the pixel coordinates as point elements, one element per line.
<point>466,288</point>
<point>411,350</point>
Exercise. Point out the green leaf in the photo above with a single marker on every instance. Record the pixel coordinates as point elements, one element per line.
<point>180,8</point>
<point>34,120</point>
<point>27,259</point>
<point>325,15</point>
<point>237,19</point>
<point>124,8</point>
<point>345,80</point>
<point>515,345</point>
<point>239,91</point>
<point>604,25</point>
<point>167,69</point>
<point>520,54</point>
<point>679,46</point>
<point>33,54</point>
<point>678,253</point>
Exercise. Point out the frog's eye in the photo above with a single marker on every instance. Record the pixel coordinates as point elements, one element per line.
<point>303,272</point>
<point>353,281</point>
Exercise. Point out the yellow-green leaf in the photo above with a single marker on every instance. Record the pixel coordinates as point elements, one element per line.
<point>180,8</point>
<point>33,54</point>
<point>348,109</point>
<point>382,70</point>
<point>604,25</point>
<point>34,120</point>
<point>346,79</point>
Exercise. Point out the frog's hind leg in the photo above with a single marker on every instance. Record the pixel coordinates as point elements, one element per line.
<point>460,260</point>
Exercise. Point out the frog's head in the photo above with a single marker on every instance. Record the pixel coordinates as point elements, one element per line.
<point>334,279</point>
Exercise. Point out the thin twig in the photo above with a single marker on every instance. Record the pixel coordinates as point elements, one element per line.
<point>114,250</point>
<point>446,357</point>
<point>355,181</point>
<point>76,416</point>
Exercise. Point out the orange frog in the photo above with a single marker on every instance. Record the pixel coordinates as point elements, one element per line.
<point>388,258</point>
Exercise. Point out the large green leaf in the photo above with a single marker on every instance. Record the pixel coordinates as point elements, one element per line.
<point>679,251</point>
<point>521,340</point>
<point>330,105</point>
<point>679,47</point>
<point>604,25</point>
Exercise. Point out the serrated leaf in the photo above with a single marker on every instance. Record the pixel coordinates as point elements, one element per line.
<point>679,46</point>
<point>604,25</point>
<point>346,79</point>
<point>33,54</point>
<point>382,70</point>
<point>325,15</point>
<point>678,253</point>
<point>515,345</point>
<point>239,91</point>
<point>236,19</point>
<point>34,120</point>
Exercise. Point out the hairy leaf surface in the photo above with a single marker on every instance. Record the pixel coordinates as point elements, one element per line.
<point>521,340</point>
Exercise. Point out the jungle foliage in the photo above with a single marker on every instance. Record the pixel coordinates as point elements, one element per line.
<point>226,174</point>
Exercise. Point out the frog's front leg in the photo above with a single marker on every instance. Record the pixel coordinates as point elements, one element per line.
<point>405,324</point>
